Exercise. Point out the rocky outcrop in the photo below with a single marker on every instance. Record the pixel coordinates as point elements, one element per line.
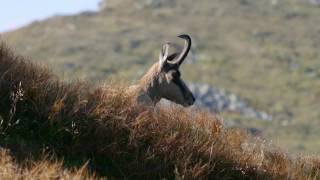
<point>218,100</point>
<point>315,2</point>
<point>155,3</point>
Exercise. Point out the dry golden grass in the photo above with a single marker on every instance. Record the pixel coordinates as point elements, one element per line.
<point>44,169</point>
<point>77,124</point>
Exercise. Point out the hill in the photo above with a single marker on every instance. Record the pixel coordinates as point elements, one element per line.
<point>100,127</point>
<point>264,51</point>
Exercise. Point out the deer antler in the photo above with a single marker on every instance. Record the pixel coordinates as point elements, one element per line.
<point>187,45</point>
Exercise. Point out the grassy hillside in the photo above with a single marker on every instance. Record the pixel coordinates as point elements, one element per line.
<point>266,52</point>
<point>102,128</point>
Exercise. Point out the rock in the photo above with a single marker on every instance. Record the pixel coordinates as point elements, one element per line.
<point>135,44</point>
<point>315,2</point>
<point>254,131</point>
<point>69,65</point>
<point>154,3</point>
<point>219,100</point>
<point>117,47</point>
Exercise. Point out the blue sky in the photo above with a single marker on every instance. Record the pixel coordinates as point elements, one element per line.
<point>17,13</point>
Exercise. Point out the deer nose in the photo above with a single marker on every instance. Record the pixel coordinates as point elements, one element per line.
<point>192,100</point>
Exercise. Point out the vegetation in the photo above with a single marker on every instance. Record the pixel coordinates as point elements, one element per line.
<point>265,51</point>
<point>103,129</point>
<point>43,169</point>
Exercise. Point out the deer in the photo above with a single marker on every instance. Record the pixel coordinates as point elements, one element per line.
<point>163,80</point>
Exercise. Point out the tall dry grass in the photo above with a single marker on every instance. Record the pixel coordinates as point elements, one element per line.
<point>45,169</point>
<point>77,123</point>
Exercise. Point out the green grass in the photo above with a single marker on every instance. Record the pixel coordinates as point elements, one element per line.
<point>269,55</point>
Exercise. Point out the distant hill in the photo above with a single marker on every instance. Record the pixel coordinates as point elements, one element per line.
<point>265,51</point>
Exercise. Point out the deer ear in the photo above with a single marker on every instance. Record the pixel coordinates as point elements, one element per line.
<point>161,62</point>
<point>163,56</point>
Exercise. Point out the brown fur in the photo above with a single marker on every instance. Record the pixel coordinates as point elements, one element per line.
<point>163,80</point>
<point>145,91</point>
<point>157,84</point>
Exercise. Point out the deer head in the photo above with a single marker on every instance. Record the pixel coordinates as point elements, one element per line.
<point>170,84</point>
<point>163,79</point>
